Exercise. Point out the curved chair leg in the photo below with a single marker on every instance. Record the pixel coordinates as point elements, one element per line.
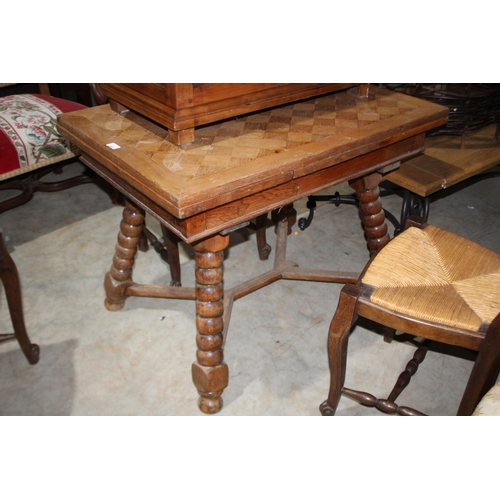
<point>11,282</point>
<point>338,337</point>
<point>485,370</point>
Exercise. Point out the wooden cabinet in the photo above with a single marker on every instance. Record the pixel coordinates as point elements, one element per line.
<point>181,107</point>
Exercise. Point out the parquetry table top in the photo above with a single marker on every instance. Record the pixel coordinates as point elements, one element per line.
<point>237,157</point>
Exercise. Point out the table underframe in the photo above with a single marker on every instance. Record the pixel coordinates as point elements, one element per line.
<point>213,303</point>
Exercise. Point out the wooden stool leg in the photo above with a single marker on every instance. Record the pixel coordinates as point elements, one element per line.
<point>210,373</point>
<point>389,334</point>
<point>119,277</point>
<point>338,337</point>
<point>12,284</point>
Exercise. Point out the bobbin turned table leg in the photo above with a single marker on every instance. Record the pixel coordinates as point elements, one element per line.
<point>371,211</point>
<point>210,373</point>
<point>119,277</point>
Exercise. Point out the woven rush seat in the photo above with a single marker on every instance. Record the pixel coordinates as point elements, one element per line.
<point>433,284</point>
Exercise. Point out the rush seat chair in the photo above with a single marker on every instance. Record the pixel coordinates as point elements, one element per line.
<point>432,284</point>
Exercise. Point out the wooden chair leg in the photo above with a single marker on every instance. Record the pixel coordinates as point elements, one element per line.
<point>404,379</point>
<point>338,337</point>
<point>485,370</point>
<point>11,282</point>
<point>389,334</point>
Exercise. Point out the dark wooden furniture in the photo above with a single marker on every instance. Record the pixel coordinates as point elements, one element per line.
<point>235,171</point>
<point>180,107</point>
<point>447,292</point>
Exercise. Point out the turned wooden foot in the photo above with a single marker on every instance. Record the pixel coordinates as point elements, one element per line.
<point>371,211</point>
<point>119,278</point>
<point>210,373</point>
<point>12,285</point>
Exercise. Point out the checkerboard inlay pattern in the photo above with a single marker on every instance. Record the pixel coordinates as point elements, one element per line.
<point>240,140</point>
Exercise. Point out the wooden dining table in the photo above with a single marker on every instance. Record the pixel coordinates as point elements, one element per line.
<point>234,171</point>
